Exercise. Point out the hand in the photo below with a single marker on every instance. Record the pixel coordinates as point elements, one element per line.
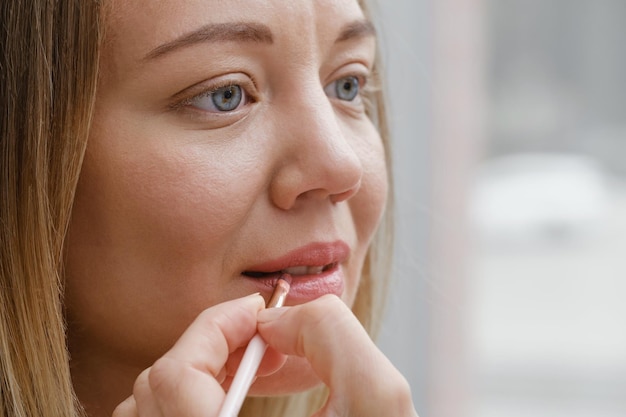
<point>361,379</point>
<point>190,379</point>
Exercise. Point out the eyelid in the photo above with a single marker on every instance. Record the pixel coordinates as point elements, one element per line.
<point>183,98</point>
<point>355,69</point>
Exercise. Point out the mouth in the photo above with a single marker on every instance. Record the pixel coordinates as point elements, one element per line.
<point>294,271</point>
<point>316,269</point>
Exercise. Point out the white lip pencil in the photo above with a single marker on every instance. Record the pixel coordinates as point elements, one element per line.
<point>252,357</point>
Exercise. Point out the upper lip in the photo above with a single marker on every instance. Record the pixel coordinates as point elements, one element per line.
<point>317,254</point>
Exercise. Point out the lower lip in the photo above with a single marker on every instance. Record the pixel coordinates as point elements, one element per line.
<point>305,288</point>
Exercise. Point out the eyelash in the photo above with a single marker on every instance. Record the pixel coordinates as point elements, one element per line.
<point>365,85</point>
<point>207,92</point>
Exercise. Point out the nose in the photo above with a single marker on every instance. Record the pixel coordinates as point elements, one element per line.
<point>317,160</point>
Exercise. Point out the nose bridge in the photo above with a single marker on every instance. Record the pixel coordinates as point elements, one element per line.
<point>320,130</point>
<point>320,160</point>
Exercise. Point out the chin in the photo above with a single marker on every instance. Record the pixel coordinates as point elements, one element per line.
<point>295,376</point>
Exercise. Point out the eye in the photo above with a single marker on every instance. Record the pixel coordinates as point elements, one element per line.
<point>222,99</point>
<point>345,88</point>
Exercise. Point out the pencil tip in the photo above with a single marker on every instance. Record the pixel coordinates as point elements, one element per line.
<point>286,277</point>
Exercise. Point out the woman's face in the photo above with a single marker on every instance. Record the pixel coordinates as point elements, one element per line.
<point>229,143</point>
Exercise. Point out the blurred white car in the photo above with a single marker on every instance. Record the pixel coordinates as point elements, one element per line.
<point>531,197</point>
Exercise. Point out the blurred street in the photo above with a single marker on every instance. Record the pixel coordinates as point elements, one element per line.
<point>547,324</point>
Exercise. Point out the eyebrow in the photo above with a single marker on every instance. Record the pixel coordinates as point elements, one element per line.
<point>356,29</point>
<point>248,32</point>
<point>217,32</point>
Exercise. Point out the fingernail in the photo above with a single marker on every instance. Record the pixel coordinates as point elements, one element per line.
<point>271,314</point>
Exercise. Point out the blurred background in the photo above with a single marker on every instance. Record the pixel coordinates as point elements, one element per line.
<point>509,122</point>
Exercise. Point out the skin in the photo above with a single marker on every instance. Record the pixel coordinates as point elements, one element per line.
<point>176,199</point>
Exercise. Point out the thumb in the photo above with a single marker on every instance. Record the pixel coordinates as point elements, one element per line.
<point>361,379</point>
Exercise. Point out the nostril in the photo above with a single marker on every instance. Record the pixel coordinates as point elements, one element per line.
<point>345,195</point>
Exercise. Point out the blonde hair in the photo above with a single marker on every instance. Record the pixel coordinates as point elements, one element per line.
<point>48,77</point>
<point>48,73</point>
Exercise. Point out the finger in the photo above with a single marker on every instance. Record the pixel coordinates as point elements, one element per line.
<point>217,332</point>
<point>143,397</point>
<point>361,379</point>
<point>321,331</point>
<point>183,381</point>
<point>272,362</point>
<point>127,408</point>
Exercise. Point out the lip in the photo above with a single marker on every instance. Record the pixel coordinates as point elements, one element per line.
<point>305,287</point>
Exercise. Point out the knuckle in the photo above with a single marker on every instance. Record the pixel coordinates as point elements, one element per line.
<point>397,393</point>
<point>402,391</point>
<point>126,408</point>
<point>141,384</point>
<point>162,376</point>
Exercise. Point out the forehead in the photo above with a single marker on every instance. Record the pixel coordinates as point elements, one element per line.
<point>137,26</point>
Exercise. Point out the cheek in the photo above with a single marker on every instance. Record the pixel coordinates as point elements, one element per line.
<point>188,203</point>
<point>369,203</point>
<point>169,200</point>
<point>149,231</point>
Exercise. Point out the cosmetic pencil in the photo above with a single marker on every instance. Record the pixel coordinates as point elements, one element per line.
<point>252,357</point>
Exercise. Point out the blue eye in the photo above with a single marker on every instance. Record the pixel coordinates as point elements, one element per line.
<point>223,99</point>
<point>345,88</point>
